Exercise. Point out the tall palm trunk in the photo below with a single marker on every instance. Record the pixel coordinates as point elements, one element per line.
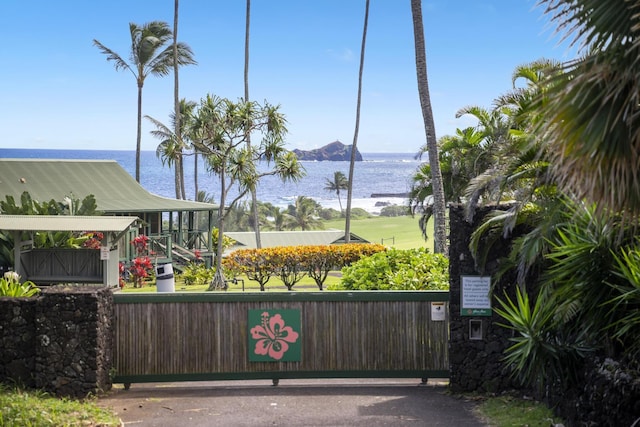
<point>180,190</point>
<point>352,163</point>
<point>195,174</point>
<point>254,197</point>
<point>139,131</point>
<point>439,209</point>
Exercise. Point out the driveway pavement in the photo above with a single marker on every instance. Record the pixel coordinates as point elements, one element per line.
<point>325,402</point>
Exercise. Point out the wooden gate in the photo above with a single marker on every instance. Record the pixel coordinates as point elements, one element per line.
<point>190,337</point>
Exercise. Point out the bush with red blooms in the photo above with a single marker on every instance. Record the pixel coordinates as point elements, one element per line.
<point>123,272</point>
<point>140,270</point>
<point>141,243</point>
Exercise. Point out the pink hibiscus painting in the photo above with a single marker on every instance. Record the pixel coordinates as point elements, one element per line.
<point>273,337</point>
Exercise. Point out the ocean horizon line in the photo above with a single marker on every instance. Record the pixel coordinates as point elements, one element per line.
<point>412,153</point>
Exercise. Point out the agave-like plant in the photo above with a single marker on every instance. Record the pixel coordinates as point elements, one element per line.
<point>543,352</point>
<point>10,286</point>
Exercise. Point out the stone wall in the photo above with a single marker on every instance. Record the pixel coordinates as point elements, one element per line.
<point>475,364</point>
<point>17,340</point>
<point>607,393</point>
<point>64,340</point>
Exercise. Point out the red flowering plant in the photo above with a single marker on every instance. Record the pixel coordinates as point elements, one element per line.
<point>141,244</point>
<point>140,270</point>
<point>93,239</point>
<point>123,273</point>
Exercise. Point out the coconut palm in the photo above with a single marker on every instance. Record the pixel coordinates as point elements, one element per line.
<point>254,196</point>
<point>176,99</point>
<point>439,208</point>
<point>338,183</point>
<point>149,55</point>
<point>591,113</point>
<point>304,214</point>
<point>352,162</point>
<point>172,145</point>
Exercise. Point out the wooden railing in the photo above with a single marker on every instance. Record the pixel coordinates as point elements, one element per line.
<point>204,336</point>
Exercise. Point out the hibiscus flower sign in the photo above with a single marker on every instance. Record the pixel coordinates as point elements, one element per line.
<point>274,336</point>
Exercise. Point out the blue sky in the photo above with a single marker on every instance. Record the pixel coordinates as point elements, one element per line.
<point>58,90</point>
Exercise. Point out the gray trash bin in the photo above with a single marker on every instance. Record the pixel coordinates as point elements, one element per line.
<point>164,278</point>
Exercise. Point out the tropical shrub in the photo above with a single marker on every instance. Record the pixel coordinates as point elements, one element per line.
<point>140,269</point>
<point>140,244</point>
<point>197,274</point>
<point>10,286</point>
<point>394,210</point>
<point>395,269</point>
<point>292,263</point>
<point>330,213</point>
<point>49,239</point>
<point>359,213</point>
<point>254,263</point>
<point>542,352</point>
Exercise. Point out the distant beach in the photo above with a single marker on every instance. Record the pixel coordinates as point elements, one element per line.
<point>378,173</point>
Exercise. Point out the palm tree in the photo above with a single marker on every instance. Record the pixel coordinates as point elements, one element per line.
<point>339,182</point>
<point>352,162</point>
<point>149,55</point>
<point>254,196</point>
<point>176,101</point>
<point>172,145</point>
<point>591,111</point>
<point>439,207</point>
<point>304,214</point>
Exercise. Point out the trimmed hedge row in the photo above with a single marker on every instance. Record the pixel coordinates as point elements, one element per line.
<point>292,263</point>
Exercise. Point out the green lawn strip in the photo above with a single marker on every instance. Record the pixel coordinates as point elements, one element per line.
<point>402,232</point>
<point>35,408</point>
<point>509,411</point>
<point>307,284</point>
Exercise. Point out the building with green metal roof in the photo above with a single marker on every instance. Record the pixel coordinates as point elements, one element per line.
<point>172,221</point>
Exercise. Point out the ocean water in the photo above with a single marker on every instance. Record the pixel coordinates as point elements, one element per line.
<point>387,173</point>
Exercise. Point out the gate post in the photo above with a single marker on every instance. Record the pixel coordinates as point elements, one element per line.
<point>476,343</point>
<point>74,340</point>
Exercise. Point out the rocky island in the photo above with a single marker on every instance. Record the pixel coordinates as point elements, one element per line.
<point>335,151</point>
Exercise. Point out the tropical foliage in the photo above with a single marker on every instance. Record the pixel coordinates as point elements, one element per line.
<point>395,269</point>
<point>220,134</point>
<point>560,154</point>
<point>174,140</point>
<point>339,182</point>
<point>292,263</point>
<point>10,286</point>
<point>151,54</point>
<point>437,204</point>
<point>196,274</point>
<point>70,205</point>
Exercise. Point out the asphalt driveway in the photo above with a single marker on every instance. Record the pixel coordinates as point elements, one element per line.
<point>325,402</point>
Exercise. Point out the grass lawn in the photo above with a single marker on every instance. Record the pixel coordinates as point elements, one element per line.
<point>273,285</point>
<point>35,408</point>
<point>401,232</point>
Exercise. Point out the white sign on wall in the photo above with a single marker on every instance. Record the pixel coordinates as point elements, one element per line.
<point>104,253</point>
<point>438,311</point>
<point>475,297</point>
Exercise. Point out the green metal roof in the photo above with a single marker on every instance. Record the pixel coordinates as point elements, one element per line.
<point>114,189</point>
<point>65,223</point>
<point>247,239</point>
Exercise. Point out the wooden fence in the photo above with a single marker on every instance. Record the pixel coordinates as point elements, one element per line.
<point>187,337</point>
